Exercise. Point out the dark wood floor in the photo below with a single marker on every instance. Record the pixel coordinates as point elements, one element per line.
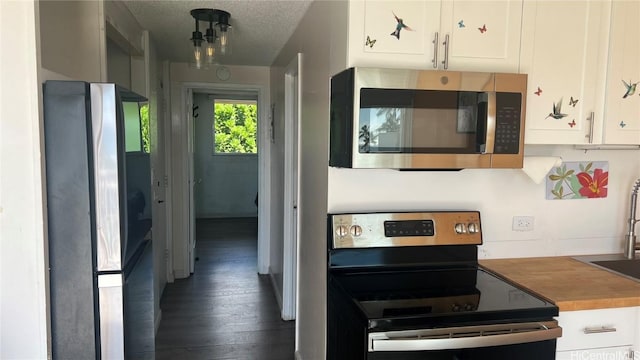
<point>225,310</point>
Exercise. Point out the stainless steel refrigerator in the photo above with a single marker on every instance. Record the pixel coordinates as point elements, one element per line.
<point>101,274</point>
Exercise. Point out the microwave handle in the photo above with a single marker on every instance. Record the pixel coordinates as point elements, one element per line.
<point>486,129</point>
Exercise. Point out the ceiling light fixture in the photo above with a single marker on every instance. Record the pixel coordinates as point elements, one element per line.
<point>219,27</point>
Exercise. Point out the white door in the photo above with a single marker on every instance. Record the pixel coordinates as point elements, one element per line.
<point>291,177</point>
<point>192,182</point>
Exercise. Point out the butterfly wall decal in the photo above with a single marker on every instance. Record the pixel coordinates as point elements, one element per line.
<point>483,29</point>
<point>573,102</point>
<point>622,124</point>
<point>370,42</point>
<point>538,92</point>
<point>572,123</point>
<point>461,24</point>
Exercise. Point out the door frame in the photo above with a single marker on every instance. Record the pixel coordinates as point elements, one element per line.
<point>293,92</point>
<point>264,172</point>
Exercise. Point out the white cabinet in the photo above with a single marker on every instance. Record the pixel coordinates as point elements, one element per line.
<point>489,39</point>
<point>622,113</point>
<point>451,34</point>
<point>587,334</point>
<point>579,55</point>
<point>563,53</point>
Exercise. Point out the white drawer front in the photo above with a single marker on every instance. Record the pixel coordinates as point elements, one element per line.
<point>589,329</point>
<point>617,353</point>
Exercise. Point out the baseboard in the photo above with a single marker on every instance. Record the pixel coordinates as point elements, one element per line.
<point>157,321</point>
<point>180,274</point>
<point>275,290</point>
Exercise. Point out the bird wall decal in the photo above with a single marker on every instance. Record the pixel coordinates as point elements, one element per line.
<point>630,88</point>
<point>399,26</point>
<point>557,111</point>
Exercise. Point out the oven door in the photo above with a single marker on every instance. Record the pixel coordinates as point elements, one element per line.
<point>535,340</point>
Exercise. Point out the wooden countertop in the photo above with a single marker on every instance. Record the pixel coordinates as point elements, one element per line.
<point>569,283</point>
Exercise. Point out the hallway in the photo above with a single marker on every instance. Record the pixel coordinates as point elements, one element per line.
<point>225,310</point>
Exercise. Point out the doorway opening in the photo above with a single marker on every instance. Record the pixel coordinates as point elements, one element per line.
<point>218,183</point>
<point>225,308</point>
<point>225,163</point>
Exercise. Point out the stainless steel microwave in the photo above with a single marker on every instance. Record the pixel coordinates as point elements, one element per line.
<point>423,119</point>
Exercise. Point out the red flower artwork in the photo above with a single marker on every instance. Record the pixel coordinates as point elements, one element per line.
<point>596,186</point>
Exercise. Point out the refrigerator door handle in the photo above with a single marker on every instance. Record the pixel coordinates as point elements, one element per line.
<point>111,303</point>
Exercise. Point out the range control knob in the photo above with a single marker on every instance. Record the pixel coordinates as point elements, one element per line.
<point>473,228</point>
<point>460,228</point>
<point>356,230</point>
<point>455,308</point>
<point>342,231</point>
<point>468,307</point>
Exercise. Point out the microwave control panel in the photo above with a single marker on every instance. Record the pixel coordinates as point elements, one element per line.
<point>508,111</point>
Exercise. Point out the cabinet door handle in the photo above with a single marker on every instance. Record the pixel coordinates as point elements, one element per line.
<point>599,330</point>
<point>445,62</point>
<point>591,119</point>
<point>435,51</point>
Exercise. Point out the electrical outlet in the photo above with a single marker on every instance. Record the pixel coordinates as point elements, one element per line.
<point>523,223</point>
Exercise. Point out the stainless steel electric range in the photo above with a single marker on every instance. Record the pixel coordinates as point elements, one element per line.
<point>408,286</point>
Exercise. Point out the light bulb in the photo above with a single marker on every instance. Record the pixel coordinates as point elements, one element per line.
<point>197,56</point>
<point>210,52</point>
<point>223,42</point>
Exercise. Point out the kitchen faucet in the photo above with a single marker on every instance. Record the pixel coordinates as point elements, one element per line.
<point>630,237</point>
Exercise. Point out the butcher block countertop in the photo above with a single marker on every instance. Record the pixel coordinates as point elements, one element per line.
<point>569,283</point>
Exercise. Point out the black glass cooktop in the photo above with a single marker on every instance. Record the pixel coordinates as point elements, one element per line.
<point>397,299</point>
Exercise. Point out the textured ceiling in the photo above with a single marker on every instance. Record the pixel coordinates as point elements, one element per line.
<point>260,27</point>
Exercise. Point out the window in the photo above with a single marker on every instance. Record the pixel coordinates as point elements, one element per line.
<point>235,126</point>
<point>136,127</point>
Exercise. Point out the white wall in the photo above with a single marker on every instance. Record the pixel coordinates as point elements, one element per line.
<point>320,37</point>
<point>182,76</point>
<point>567,227</point>
<point>226,184</point>
<point>23,257</point>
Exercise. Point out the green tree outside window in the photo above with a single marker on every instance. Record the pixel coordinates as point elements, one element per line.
<point>144,127</point>
<point>235,128</point>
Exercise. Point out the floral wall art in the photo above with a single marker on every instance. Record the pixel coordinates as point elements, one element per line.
<point>578,180</point>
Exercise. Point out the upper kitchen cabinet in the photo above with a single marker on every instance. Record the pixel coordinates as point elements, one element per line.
<point>564,54</point>
<point>451,34</point>
<point>72,41</point>
<point>483,35</point>
<point>622,99</point>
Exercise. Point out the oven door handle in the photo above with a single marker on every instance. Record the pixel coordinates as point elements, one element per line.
<point>464,337</point>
